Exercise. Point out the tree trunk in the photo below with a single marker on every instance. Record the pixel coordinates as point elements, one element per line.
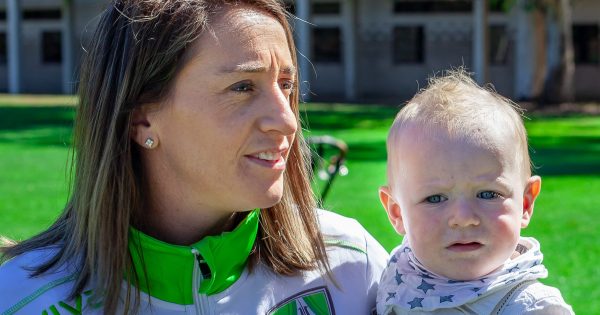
<point>540,40</point>
<point>567,55</point>
<point>559,80</point>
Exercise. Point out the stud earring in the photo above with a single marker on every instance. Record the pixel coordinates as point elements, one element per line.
<point>149,143</point>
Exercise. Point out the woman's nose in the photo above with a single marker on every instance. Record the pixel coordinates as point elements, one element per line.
<point>278,116</point>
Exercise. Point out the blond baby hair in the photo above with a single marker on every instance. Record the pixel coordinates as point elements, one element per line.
<point>456,104</point>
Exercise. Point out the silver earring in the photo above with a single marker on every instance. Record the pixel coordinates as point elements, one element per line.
<point>149,143</point>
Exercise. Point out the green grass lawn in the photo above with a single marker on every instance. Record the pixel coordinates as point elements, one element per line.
<point>35,138</point>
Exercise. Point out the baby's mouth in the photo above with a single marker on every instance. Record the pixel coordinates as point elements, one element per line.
<point>464,246</point>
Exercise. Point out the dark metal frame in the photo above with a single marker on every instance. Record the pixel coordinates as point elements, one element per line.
<point>327,166</point>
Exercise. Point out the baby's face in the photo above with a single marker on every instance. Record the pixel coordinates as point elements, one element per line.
<point>461,203</point>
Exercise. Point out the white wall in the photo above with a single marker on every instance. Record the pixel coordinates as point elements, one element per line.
<point>448,39</point>
<point>447,44</point>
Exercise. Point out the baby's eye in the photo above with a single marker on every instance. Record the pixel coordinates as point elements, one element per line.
<point>488,195</point>
<point>244,86</point>
<point>435,199</point>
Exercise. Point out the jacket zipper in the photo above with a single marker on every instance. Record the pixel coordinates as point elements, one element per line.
<point>200,300</point>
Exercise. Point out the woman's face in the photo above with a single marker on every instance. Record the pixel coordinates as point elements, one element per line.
<point>227,126</point>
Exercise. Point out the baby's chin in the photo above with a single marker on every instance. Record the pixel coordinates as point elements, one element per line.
<point>462,269</point>
<point>468,273</point>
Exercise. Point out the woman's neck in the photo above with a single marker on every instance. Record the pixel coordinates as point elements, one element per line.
<point>171,214</point>
<point>169,219</point>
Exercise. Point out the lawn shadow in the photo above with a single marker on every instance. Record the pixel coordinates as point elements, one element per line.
<point>574,150</point>
<point>367,151</point>
<point>33,125</point>
<point>337,116</point>
<point>566,155</point>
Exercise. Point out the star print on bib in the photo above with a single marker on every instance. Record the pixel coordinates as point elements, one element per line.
<point>407,284</point>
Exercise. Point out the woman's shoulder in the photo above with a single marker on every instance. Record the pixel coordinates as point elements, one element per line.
<point>347,233</point>
<point>336,224</point>
<point>355,258</point>
<point>24,293</point>
<point>349,245</point>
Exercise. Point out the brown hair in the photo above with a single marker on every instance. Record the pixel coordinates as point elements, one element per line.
<point>134,56</point>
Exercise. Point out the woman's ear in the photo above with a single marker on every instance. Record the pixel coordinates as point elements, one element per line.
<point>141,129</point>
<point>532,190</point>
<point>392,208</point>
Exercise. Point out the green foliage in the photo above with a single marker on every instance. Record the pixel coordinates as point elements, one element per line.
<point>35,145</point>
<point>502,5</point>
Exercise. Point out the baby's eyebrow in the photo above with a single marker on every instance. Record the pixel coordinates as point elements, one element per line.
<point>498,180</point>
<point>504,183</point>
<point>436,185</point>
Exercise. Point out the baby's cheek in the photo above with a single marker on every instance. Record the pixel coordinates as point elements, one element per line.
<point>507,229</point>
<point>426,232</point>
<point>421,225</point>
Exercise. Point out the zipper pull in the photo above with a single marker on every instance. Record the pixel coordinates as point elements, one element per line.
<point>202,264</point>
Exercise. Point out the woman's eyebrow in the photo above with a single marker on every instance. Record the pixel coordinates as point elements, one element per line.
<point>255,68</point>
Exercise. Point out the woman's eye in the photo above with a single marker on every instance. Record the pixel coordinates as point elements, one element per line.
<point>488,195</point>
<point>288,85</point>
<point>435,199</point>
<point>242,87</point>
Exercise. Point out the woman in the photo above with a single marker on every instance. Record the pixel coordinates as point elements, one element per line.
<point>190,188</point>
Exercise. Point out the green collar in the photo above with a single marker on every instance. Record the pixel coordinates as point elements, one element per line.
<point>165,271</point>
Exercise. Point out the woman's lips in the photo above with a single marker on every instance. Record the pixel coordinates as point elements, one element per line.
<point>271,159</point>
<point>465,247</point>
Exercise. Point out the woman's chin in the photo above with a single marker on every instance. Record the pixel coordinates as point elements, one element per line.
<point>272,200</point>
<point>267,199</point>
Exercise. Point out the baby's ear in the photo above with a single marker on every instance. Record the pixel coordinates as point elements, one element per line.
<point>532,190</point>
<point>392,208</point>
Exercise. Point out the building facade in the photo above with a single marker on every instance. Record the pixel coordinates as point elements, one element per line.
<point>41,48</point>
<point>349,50</point>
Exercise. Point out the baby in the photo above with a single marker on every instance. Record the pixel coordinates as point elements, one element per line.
<point>460,190</point>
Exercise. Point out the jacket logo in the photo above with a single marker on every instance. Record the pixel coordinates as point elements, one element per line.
<point>316,301</point>
<point>67,308</point>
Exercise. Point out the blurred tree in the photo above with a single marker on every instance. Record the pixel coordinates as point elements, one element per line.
<point>553,45</point>
<point>558,79</point>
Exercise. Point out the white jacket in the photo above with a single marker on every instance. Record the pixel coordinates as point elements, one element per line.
<point>355,257</point>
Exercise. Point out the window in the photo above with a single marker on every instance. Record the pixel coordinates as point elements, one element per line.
<point>3,48</point>
<point>498,45</point>
<point>586,44</point>
<point>2,15</point>
<point>428,6</point>
<point>327,44</point>
<point>51,47</point>
<point>45,14</point>
<point>456,6</point>
<point>326,8</point>
<point>408,45</point>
